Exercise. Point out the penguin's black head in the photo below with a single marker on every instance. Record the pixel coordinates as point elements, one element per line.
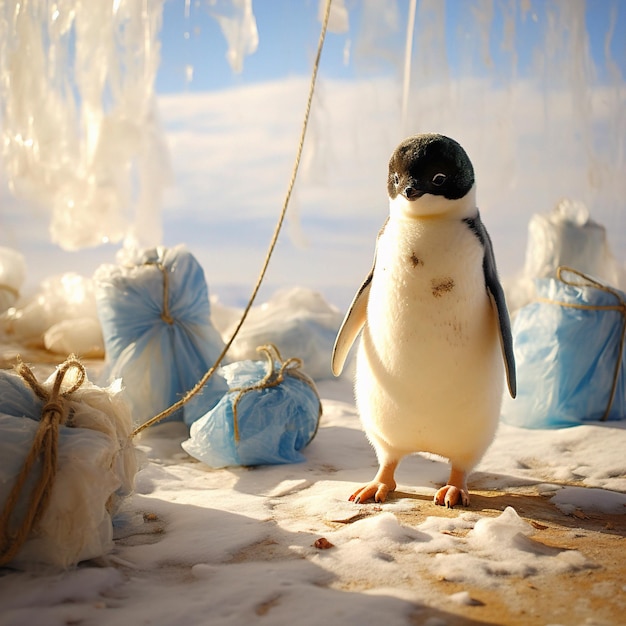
<point>429,164</point>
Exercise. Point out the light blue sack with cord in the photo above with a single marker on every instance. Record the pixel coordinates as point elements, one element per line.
<point>159,339</point>
<point>569,352</point>
<point>269,415</point>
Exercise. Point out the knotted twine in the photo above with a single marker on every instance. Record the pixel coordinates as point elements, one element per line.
<point>272,378</point>
<point>44,449</point>
<point>619,306</point>
<point>165,313</point>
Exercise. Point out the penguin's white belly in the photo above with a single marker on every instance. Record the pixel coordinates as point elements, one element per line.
<point>429,367</point>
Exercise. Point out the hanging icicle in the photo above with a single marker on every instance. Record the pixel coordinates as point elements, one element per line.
<point>238,24</point>
<point>79,127</point>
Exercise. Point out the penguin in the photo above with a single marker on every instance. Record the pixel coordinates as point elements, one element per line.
<point>435,331</point>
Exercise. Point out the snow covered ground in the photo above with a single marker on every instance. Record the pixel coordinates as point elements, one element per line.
<point>282,544</point>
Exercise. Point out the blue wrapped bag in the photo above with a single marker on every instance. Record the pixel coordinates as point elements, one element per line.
<point>569,350</point>
<point>270,414</point>
<point>159,339</point>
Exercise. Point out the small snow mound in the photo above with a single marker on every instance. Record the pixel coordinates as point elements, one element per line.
<point>568,499</point>
<point>464,599</point>
<point>202,571</point>
<point>499,547</point>
<point>383,527</point>
<point>500,530</point>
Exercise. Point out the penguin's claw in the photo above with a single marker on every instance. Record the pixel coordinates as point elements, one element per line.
<point>376,490</point>
<point>450,495</point>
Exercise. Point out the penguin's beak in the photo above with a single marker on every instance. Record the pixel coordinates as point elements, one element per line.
<point>412,193</point>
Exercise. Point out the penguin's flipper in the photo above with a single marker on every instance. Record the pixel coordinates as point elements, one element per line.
<point>351,326</point>
<point>498,301</point>
<point>506,338</point>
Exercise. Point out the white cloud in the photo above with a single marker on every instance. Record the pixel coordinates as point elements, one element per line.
<point>529,149</point>
<point>232,153</point>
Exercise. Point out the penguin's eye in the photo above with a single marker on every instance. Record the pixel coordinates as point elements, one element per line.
<point>439,179</point>
<point>396,179</point>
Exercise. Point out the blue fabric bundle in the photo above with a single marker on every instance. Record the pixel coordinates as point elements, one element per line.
<point>158,335</point>
<point>569,354</point>
<point>270,414</point>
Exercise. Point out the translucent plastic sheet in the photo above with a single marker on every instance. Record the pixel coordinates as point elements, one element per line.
<point>274,424</point>
<point>568,356</point>
<point>12,275</point>
<point>565,236</point>
<point>62,308</point>
<point>297,321</point>
<point>159,340</point>
<point>82,336</point>
<point>568,236</point>
<point>79,126</point>
<point>96,470</point>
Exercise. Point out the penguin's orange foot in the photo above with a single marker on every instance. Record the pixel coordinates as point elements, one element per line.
<point>451,495</point>
<point>376,489</point>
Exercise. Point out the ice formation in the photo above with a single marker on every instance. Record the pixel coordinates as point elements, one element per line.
<point>238,24</point>
<point>80,128</point>
<point>566,236</point>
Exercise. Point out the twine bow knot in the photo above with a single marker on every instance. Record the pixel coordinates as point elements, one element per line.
<point>272,378</point>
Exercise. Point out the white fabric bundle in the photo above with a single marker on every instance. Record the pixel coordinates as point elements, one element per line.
<point>95,467</point>
<point>61,316</point>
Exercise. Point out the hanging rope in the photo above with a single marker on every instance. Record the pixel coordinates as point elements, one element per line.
<point>192,392</point>
<point>619,306</point>
<point>43,449</point>
<point>408,53</point>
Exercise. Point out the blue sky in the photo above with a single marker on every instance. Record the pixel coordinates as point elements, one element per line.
<point>289,30</point>
<point>548,130</point>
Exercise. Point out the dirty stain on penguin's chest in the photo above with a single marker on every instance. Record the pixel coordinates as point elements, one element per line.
<point>415,260</point>
<point>439,285</point>
<point>428,284</point>
<point>423,277</point>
